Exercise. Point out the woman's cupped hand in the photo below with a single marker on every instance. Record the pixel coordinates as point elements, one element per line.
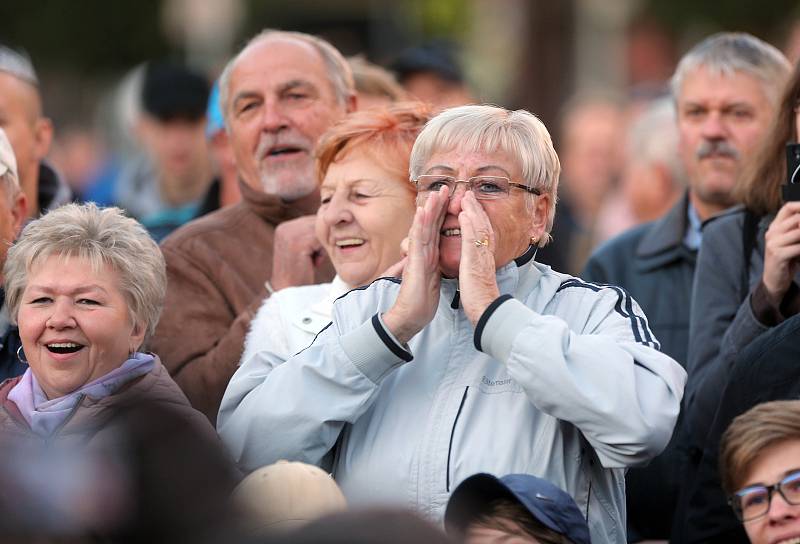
<point>419,291</point>
<point>476,270</point>
<point>418,298</point>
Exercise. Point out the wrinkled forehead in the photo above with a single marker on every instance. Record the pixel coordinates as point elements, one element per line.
<point>277,60</point>
<point>708,83</point>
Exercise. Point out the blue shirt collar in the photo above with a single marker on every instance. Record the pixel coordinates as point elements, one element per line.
<point>694,231</point>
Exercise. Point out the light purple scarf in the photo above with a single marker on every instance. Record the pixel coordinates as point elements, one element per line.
<point>45,416</point>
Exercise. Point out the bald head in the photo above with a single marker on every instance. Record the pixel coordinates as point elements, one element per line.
<point>28,131</point>
<point>339,73</point>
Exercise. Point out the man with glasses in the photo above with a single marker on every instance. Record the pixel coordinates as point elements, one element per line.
<point>760,467</point>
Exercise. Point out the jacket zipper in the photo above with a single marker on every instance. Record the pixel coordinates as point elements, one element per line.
<point>452,434</point>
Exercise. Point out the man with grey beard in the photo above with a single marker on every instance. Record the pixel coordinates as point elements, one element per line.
<point>725,91</point>
<point>278,95</point>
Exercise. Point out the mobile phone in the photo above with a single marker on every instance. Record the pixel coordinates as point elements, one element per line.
<point>791,191</point>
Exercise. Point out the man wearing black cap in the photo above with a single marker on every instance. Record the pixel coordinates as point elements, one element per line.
<point>432,73</point>
<point>164,189</point>
<point>517,508</point>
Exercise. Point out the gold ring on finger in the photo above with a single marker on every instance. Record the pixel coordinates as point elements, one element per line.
<point>481,243</point>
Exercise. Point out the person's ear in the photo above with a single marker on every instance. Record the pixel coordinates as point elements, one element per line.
<point>19,212</point>
<point>137,336</point>
<point>541,206</point>
<point>351,103</point>
<point>43,137</point>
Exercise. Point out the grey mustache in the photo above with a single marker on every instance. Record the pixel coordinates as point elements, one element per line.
<point>708,148</point>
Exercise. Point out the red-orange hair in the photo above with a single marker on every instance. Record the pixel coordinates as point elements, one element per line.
<point>387,133</point>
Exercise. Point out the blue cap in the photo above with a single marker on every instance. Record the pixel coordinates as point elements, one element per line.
<point>214,120</point>
<point>548,504</point>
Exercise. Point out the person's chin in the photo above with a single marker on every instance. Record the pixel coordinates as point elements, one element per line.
<point>354,278</point>
<point>285,185</point>
<point>717,188</point>
<point>448,265</point>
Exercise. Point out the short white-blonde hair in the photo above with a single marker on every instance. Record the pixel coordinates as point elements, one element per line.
<point>102,236</point>
<point>488,129</point>
<point>339,72</point>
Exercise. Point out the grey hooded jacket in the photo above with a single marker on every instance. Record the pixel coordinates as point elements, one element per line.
<point>560,379</point>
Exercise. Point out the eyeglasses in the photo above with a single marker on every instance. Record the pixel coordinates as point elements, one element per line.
<point>483,187</point>
<point>754,501</point>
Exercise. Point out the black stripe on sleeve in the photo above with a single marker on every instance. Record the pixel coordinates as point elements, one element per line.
<point>485,319</point>
<point>623,306</point>
<point>387,340</point>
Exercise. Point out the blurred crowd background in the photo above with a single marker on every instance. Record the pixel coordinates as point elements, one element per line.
<point>585,67</point>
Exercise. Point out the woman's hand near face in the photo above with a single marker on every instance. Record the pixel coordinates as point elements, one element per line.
<point>419,293</point>
<point>476,273</point>
<point>396,270</point>
<point>782,251</point>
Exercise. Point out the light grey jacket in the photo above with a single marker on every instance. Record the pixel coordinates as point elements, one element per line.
<point>560,378</point>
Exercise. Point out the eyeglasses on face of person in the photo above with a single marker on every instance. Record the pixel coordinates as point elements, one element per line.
<point>754,501</point>
<point>483,187</point>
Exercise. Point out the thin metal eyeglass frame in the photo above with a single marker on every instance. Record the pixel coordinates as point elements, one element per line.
<point>469,182</point>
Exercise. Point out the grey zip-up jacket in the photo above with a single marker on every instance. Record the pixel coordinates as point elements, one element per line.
<point>560,378</point>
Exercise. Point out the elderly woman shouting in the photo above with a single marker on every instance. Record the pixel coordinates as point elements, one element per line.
<point>85,286</point>
<point>481,359</point>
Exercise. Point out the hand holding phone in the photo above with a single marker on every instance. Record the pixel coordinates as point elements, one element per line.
<point>791,190</point>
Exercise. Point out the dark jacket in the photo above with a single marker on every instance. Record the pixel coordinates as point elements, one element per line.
<point>652,264</point>
<point>87,421</point>
<point>723,319</point>
<point>10,365</point>
<point>764,371</point>
<point>53,189</point>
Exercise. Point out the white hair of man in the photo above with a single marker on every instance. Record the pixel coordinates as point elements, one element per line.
<point>728,52</point>
<point>339,72</point>
<point>17,64</point>
<point>653,139</point>
<point>102,236</point>
<point>490,129</point>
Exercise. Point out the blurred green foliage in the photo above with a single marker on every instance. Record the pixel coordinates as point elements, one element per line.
<point>763,18</point>
<point>102,36</point>
<point>84,35</point>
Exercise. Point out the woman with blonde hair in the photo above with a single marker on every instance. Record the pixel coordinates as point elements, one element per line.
<point>480,359</point>
<point>85,286</point>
